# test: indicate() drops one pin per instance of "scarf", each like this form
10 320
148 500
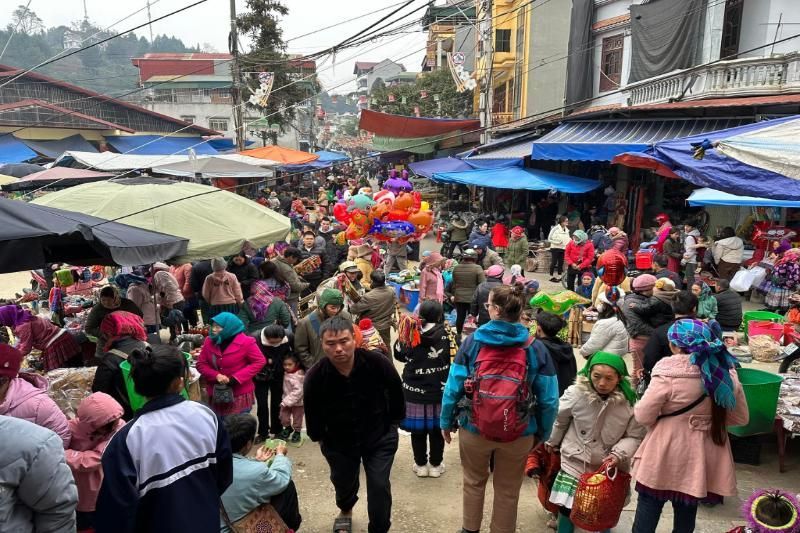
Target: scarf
231 326
12 316
617 363
705 290
710 355
260 299
580 237
121 324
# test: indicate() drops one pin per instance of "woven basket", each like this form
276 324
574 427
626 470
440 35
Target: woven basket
544 260
764 348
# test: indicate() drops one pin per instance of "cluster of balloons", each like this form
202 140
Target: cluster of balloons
387 216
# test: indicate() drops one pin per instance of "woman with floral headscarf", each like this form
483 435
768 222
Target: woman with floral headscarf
706 303
579 256
686 457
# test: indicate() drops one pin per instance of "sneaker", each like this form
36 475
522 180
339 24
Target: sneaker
296 437
420 471
285 433
436 471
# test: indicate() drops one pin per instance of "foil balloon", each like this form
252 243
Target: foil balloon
424 206
360 202
557 303
611 267
404 201
379 211
359 226
417 198
398 185
392 230
340 213
422 220
384 196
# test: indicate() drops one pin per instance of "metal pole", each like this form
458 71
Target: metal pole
488 65
236 74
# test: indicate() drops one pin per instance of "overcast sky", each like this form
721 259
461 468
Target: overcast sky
209 23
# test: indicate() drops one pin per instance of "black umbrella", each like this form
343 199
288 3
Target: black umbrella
19 170
33 235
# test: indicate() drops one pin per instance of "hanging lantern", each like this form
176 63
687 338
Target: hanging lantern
391 97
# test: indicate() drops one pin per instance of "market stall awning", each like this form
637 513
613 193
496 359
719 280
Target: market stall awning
444 164
416 145
114 162
388 125
313 166
530 179
19 170
12 150
6 180
158 145
768 168
601 140
53 149
216 222
213 167
706 196
326 156
33 235
281 155
59 177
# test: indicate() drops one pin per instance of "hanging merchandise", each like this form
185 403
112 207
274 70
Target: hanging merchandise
260 96
463 79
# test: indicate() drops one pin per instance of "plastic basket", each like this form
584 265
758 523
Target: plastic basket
761 391
644 259
762 327
759 315
411 296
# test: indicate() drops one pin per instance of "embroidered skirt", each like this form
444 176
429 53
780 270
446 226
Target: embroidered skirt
62 349
564 488
421 417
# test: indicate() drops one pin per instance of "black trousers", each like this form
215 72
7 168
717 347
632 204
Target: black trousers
288 507
557 263
572 276
462 310
377 461
419 444
269 420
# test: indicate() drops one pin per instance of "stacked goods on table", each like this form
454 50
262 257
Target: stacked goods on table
69 386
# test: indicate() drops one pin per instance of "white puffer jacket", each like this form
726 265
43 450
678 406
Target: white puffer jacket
558 237
729 250
608 335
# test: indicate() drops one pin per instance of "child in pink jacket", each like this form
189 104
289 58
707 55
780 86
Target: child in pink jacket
99 417
292 403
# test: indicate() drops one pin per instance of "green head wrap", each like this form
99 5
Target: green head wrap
617 363
331 296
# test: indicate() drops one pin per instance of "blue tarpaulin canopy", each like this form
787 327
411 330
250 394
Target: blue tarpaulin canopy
226 144
708 196
530 179
325 156
311 166
53 149
601 140
13 150
756 160
158 145
444 164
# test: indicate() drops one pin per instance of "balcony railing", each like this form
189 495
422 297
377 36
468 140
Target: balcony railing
740 77
502 118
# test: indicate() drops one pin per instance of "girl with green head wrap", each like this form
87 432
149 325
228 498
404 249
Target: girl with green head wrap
603 381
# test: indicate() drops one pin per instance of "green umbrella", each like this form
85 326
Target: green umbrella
215 221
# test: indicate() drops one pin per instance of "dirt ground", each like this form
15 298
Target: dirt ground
434 505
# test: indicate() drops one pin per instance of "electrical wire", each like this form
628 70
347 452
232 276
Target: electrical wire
13 31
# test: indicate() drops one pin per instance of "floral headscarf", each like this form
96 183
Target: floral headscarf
708 353
580 236
121 324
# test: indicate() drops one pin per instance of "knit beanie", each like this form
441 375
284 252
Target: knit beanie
218 264
645 282
331 297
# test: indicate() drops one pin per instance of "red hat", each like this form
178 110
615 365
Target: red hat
517 231
10 361
661 218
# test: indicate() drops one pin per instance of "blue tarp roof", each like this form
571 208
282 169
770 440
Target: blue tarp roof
158 145
312 166
53 149
226 144
12 150
444 164
519 178
708 196
326 156
601 140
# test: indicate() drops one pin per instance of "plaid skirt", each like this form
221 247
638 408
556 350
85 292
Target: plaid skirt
240 403
64 348
564 488
421 417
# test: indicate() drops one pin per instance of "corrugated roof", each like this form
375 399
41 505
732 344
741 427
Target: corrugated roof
188 56
745 101
517 150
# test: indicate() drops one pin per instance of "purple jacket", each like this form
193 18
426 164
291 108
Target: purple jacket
241 360
27 399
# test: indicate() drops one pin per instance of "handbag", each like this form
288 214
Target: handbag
599 498
262 519
222 392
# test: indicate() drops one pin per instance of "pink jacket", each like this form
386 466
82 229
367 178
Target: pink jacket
678 454
36 333
86 449
183 274
431 285
164 282
223 290
293 389
139 293
241 360
27 399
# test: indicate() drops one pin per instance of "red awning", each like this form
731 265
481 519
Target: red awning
401 126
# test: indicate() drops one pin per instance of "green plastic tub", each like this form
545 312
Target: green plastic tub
760 315
761 390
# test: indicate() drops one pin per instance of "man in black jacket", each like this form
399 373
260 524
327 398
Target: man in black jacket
353 402
729 306
200 271
657 347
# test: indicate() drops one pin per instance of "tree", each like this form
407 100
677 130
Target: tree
26 21
292 84
440 97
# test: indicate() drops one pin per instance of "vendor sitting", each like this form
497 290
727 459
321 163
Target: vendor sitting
110 301
59 348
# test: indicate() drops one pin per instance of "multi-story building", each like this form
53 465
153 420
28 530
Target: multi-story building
442 24
369 73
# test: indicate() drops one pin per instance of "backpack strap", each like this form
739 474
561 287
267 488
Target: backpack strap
119 353
313 319
684 409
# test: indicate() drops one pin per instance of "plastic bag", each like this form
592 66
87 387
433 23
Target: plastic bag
759 275
743 280
69 386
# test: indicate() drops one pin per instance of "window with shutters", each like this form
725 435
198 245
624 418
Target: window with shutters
502 41
611 63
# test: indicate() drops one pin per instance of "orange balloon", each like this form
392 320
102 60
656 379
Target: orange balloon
422 220
403 202
379 211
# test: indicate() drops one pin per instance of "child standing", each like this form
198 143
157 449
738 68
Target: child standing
562 354
673 249
706 303
594 427
275 344
99 417
292 402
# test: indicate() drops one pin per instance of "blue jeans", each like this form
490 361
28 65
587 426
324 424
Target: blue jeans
648 513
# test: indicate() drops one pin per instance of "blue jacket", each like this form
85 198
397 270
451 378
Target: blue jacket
165 470
484 240
541 376
254 483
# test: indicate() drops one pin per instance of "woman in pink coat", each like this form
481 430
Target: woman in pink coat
25 395
99 417
686 456
230 357
431 283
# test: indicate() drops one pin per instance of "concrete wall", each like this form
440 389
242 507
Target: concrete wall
546 70
465 42
760 26
384 69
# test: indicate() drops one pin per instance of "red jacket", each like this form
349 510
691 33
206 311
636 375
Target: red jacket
241 361
500 235
583 255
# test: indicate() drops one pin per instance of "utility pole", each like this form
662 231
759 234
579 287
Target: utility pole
236 74
488 51
150 20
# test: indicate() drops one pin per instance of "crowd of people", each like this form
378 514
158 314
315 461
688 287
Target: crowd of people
139 456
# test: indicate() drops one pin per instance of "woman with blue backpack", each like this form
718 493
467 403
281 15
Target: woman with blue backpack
500 389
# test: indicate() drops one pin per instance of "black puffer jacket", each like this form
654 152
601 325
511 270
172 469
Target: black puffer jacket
729 310
246 273
563 358
427 365
481 297
637 309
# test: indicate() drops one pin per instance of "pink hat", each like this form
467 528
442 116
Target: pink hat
433 259
613 230
645 282
494 271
